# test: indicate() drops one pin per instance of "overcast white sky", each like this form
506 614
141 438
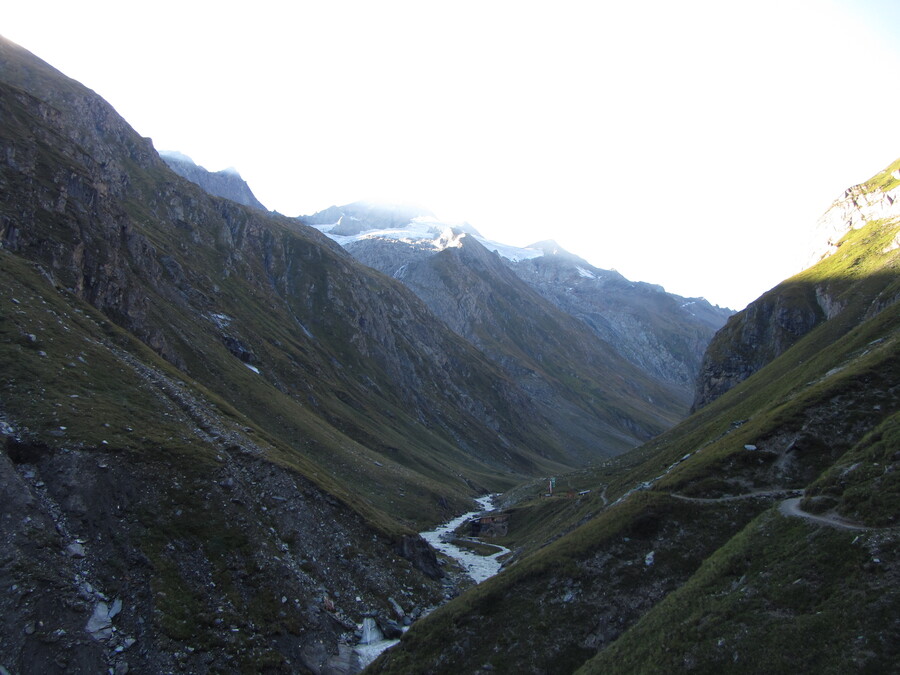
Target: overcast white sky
691 144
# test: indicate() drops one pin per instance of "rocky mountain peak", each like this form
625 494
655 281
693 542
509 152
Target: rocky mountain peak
226 183
550 247
364 216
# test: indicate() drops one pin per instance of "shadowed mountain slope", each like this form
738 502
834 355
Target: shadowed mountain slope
665 335
335 348
220 431
610 362
592 397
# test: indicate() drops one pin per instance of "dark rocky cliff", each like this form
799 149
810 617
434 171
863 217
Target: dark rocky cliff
756 336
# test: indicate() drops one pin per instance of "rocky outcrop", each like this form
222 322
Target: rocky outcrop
238 565
420 554
226 183
757 335
770 325
859 205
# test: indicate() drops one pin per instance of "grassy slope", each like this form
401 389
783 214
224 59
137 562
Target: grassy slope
884 180
75 384
783 596
786 593
804 411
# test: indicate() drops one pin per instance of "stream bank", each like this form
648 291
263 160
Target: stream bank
477 567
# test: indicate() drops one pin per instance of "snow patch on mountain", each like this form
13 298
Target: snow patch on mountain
513 253
423 230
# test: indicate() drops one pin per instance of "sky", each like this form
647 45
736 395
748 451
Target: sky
691 144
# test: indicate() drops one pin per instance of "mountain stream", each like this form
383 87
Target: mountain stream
479 567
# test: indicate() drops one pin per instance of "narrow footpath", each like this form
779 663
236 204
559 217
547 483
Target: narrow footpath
791 508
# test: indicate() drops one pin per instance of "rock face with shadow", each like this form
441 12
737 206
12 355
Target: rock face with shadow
854 280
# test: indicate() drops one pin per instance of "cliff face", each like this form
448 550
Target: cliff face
773 323
226 183
755 336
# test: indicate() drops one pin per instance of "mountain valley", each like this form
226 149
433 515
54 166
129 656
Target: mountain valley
223 429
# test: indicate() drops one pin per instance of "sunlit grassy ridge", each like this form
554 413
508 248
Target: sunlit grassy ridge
884 180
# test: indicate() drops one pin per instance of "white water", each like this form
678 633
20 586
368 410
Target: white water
479 567
370 632
372 643
368 653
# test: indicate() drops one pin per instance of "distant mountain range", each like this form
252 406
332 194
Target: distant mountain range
539 313
662 334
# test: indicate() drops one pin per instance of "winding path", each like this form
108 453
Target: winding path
746 495
791 508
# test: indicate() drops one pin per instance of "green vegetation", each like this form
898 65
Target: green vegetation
884 180
540 610
783 596
864 485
